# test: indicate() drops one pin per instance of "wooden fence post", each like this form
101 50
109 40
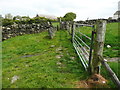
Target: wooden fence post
67 26
73 31
98 46
70 26
60 23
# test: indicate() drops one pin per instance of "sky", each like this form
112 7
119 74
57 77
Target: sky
84 9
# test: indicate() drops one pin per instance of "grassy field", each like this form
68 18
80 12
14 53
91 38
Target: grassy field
112 40
115 67
39 62
55 24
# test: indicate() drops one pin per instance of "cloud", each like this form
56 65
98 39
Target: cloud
83 8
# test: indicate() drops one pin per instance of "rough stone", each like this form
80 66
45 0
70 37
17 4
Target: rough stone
59 63
14 78
72 58
108 46
58 56
21 29
52 46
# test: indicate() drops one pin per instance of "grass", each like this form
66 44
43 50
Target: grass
43 69
112 40
115 67
55 24
40 62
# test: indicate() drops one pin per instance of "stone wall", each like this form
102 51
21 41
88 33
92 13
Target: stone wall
21 29
65 25
94 21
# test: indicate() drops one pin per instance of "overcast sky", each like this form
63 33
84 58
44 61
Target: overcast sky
84 9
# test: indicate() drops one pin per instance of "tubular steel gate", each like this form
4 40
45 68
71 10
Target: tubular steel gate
83 48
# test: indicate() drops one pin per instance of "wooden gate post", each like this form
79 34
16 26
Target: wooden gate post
98 46
73 31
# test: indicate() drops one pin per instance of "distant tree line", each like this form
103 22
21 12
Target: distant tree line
23 20
9 19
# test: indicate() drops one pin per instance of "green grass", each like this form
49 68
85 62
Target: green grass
112 40
42 70
115 67
55 24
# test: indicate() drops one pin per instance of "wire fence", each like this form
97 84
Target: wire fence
88 42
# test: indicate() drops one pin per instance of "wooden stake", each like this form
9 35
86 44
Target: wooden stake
98 46
73 31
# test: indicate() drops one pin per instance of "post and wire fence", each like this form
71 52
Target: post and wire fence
89 47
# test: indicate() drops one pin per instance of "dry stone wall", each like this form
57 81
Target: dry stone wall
21 29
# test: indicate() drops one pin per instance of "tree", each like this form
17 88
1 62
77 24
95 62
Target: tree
70 16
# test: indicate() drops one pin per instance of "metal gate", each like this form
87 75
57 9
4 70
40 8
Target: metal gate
83 43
